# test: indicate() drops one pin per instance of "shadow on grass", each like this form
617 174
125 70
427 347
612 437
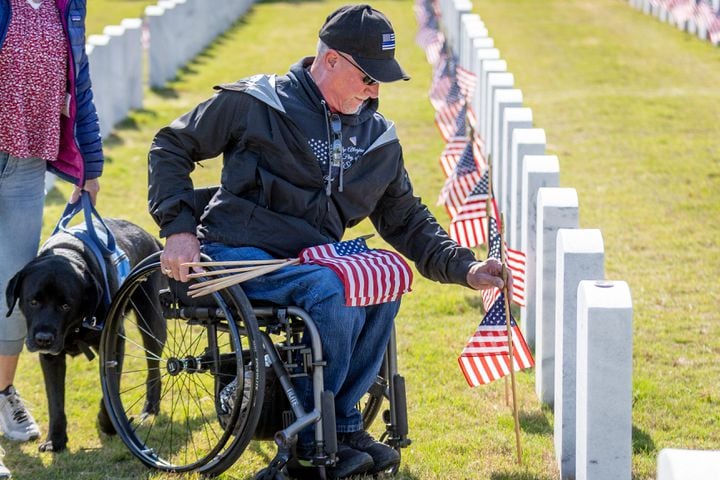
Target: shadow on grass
517 476
642 442
535 423
107 462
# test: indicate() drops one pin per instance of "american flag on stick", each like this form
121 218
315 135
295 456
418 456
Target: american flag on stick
461 182
467 226
485 357
515 263
451 120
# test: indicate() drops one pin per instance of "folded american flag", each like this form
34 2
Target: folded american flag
370 276
486 358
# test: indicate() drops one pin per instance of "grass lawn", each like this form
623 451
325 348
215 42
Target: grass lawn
631 108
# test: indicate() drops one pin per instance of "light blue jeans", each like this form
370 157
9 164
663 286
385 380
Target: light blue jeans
353 339
22 196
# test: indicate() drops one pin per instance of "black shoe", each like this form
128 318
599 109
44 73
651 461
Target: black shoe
349 462
383 456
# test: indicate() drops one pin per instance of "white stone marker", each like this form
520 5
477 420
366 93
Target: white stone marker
495 81
117 46
504 98
134 62
539 171
604 381
159 58
97 48
470 27
580 256
556 208
481 56
487 67
525 141
676 464
514 118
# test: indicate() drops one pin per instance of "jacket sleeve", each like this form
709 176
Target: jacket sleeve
206 131
404 222
87 126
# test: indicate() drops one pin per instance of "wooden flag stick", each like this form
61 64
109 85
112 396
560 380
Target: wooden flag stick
225 271
204 288
236 263
508 322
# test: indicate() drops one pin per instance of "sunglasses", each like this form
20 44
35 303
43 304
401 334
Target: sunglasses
367 79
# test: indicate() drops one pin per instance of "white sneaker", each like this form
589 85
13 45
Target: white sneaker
4 472
16 423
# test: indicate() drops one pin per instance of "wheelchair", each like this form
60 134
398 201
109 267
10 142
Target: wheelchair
210 345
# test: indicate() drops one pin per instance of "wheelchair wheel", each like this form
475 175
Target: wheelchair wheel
165 365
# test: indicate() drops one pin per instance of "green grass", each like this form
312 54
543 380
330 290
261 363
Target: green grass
631 108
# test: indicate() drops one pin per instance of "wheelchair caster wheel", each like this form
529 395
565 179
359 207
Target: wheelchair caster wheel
270 474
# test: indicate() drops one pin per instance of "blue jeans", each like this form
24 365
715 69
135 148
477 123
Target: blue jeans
22 196
353 339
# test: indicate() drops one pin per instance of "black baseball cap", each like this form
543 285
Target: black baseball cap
368 37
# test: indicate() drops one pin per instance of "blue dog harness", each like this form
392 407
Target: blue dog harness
101 242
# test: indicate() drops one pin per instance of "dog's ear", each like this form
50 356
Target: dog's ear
12 292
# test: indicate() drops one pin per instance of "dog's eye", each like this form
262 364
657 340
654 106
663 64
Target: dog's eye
33 303
65 307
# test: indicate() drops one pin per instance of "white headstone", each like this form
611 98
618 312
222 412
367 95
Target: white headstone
580 256
539 171
556 208
514 118
496 81
678 464
525 141
504 98
604 381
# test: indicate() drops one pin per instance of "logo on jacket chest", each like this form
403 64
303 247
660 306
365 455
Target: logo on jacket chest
351 152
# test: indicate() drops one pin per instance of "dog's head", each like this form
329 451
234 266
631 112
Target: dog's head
54 294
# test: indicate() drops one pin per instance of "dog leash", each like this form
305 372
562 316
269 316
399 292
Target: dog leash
103 249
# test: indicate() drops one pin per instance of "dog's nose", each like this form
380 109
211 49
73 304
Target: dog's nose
44 339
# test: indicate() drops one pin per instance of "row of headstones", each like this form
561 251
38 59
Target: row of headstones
691 25
173 31
579 324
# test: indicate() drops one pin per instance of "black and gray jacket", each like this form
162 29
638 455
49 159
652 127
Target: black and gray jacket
273 133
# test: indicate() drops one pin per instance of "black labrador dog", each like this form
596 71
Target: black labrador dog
63 286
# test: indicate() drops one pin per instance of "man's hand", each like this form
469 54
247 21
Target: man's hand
179 248
488 274
92 186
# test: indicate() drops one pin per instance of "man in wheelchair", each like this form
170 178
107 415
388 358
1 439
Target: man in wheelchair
306 155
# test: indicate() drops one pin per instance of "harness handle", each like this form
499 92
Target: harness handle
85 205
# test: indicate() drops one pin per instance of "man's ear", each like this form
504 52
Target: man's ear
12 292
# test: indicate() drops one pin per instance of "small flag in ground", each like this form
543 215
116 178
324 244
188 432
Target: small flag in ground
515 264
466 80
461 182
370 276
451 154
451 120
468 224
485 358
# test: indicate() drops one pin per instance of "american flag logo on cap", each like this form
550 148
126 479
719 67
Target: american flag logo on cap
388 41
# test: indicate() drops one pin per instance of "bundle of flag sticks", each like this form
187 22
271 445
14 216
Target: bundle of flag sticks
234 272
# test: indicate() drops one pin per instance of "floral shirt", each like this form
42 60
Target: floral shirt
33 62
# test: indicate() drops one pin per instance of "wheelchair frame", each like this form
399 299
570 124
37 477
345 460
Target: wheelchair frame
206 345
